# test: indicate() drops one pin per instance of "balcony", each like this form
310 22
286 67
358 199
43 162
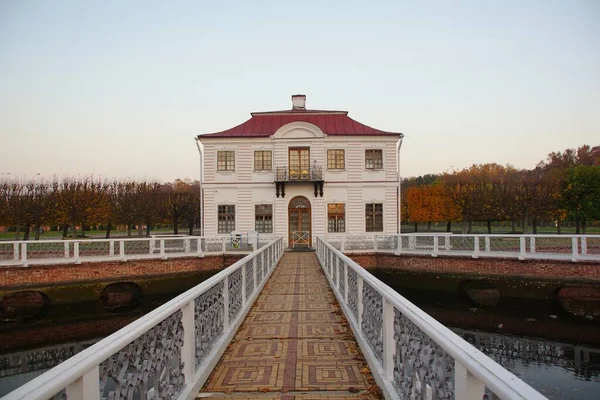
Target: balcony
287 175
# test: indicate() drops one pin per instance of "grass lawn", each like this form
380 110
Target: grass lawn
57 235
482 229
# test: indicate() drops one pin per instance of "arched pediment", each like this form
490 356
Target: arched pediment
298 130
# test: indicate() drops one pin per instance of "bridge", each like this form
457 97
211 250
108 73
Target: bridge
172 351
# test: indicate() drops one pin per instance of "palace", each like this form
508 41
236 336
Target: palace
300 173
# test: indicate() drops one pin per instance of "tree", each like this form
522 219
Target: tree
79 201
581 193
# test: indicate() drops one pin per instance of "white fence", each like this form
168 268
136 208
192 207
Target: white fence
410 354
523 247
168 353
48 252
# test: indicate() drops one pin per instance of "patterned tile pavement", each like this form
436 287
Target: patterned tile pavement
294 344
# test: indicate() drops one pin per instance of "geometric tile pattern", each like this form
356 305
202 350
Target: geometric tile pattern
294 343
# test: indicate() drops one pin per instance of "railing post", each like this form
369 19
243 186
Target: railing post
583 245
435 246
86 387
399 245
343 244
412 242
188 350
388 340
199 249
523 248
532 244
574 248
24 254
162 249
16 251
76 253
447 243
111 248
375 244
475 247
223 245
359 300
122 250
226 303
255 272
488 246
67 249
186 245
467 386
151 246
244 299
346 266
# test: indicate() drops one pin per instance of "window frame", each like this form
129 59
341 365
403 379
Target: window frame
262 160
336 216
376 162
373 217
262 218
226 165
335 160
229 218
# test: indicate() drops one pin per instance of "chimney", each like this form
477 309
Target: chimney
298 102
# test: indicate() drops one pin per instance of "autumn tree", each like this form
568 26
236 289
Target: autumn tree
581 194
79 201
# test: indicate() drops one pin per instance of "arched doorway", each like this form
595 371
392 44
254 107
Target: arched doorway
299 222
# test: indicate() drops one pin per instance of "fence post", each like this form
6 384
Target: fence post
388 340
359 300
375 244
399 245
188 350
76 253
151 245
488 246
16 251
24 254
583 245
532 244
574 248
162 249
467 386
224 245
522 247
67 249
122 250
475 247
343 244
199 249
86 387
226 303
447 243
186 245
111 248
435 246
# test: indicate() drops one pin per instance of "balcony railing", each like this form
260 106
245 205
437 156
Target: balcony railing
291 174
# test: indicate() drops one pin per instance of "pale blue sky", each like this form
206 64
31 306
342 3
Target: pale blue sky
120 88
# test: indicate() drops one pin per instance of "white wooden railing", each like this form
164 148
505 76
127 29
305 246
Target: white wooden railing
48 252
410 354
523 247
169 352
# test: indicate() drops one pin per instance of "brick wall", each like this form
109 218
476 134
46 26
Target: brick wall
483 266
104 271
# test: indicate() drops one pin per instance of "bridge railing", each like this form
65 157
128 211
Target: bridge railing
38 252
523 247
168 353
410 354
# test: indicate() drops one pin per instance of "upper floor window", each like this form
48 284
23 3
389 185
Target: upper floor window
335 159
374 217
225 160
263 218
263 160
226 218
336 217
373 159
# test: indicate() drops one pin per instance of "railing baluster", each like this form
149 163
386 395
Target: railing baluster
76 253
359 299
435 246
475 247
522 247
67 250
583 245
86 387
24 254
574 249
111 248
532 244
16 251
467 386
226 303
389 343
188 350
122 250
199 249
488 246
162 249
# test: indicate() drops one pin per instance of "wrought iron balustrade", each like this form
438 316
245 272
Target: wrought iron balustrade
299 174
411 355
168 353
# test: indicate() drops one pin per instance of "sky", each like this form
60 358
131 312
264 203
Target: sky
119 89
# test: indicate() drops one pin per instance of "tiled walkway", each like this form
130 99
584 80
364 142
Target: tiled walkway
294 344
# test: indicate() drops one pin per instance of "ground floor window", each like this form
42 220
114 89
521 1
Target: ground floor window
336 217
374 217
226 218
263 218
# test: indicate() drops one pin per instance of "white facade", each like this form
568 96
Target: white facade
363 191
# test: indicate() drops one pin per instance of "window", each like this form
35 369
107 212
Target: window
373 159
225 160
226 217
336 217
374 217
263 218
335 159
262 160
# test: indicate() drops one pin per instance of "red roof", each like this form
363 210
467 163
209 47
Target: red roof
263 124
